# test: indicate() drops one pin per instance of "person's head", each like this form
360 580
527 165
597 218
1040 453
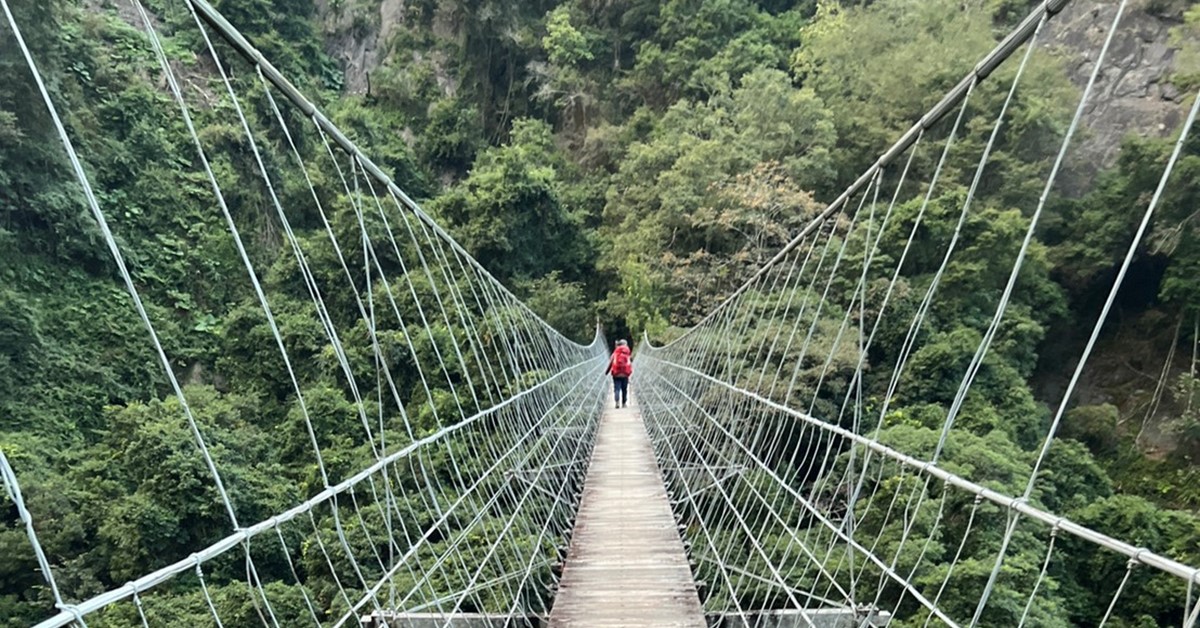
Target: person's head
622 343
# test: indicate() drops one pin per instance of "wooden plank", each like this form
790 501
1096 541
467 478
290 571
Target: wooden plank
626 565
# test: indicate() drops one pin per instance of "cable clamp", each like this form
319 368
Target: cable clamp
73 610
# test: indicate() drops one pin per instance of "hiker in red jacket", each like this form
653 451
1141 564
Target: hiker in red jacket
620 366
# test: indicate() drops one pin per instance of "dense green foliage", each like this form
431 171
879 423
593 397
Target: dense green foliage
625 160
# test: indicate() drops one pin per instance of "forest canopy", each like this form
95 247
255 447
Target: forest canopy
627 161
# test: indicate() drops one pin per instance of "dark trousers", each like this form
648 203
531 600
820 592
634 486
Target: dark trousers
620 389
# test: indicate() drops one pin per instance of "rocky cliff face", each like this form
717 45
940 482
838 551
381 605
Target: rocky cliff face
357 35
1133 92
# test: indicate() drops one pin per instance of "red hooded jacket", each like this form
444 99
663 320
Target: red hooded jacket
620 365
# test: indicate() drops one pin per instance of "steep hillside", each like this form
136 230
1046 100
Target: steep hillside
627 160
1138 95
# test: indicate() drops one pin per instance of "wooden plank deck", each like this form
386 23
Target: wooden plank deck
626 565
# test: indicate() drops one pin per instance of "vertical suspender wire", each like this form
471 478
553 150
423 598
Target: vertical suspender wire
468 328
757 546
1029 47
517 511
467 315
287 555
322 312
212 608
14 490
359 214
255 586
774 494
985 343
872 190
1095 334
859 293
1042 576
811 454
1193 616
763 429
85 183
769 497
337 580
460 305
492 303
1117 282
137 603
368 318
713 356
1116 596
867 343
437 296
739 323
910 338
675 416
306 273
962 544
429 333
331 333
372 589
730 404
914 328
416 299
808 292
864 344
369 258
790 290
177 92
779 312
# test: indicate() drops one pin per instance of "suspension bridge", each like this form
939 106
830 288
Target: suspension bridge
751 482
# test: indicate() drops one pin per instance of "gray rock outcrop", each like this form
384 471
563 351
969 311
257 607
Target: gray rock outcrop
1133 92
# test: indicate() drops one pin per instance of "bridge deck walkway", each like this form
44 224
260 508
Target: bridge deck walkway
626 565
